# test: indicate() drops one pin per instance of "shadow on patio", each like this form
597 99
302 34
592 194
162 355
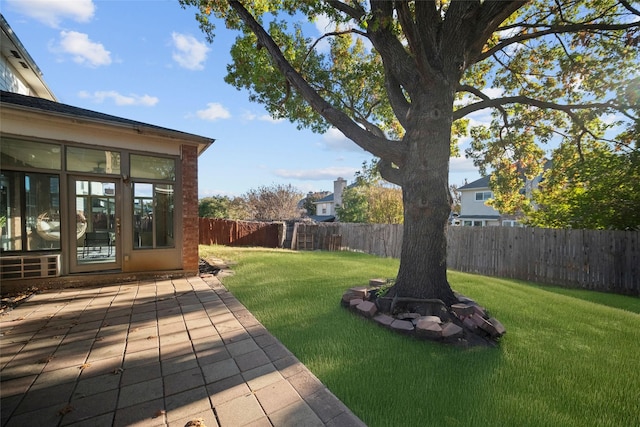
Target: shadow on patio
153 353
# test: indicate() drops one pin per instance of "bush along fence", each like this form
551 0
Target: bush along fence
600 260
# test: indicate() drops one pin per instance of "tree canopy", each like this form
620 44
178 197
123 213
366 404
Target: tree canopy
402 80
371 199
223 207
274 202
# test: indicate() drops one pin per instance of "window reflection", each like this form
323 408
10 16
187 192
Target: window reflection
153 211
150 167
94 161
38 227
20 153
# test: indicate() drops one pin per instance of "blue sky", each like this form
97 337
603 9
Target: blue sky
147 60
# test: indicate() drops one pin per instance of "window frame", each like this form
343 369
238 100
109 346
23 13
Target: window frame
484 195
171 235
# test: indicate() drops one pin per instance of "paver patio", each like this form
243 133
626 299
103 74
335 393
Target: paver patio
153 353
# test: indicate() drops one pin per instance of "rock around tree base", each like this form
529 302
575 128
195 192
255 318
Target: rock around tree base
465 323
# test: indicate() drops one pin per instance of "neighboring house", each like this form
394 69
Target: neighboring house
326 207
473 208
84 192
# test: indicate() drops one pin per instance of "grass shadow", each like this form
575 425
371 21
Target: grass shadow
548 369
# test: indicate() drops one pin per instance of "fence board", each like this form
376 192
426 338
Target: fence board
239 233
602 260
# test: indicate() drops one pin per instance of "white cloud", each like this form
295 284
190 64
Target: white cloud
334 140
324 25
316 174
462 165
118 99
52 12
268 118
250 116
82 49
214 111
189 53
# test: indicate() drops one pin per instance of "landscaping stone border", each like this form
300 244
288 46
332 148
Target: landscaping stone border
465 323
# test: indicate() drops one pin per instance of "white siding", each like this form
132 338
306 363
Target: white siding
471 206
10 81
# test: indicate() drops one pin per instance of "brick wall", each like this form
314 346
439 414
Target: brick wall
190 224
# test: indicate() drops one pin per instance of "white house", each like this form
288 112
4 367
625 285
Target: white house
474 211
326 207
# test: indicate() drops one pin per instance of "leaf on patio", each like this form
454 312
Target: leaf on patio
46 359
65 410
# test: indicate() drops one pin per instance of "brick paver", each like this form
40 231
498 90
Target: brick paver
153 353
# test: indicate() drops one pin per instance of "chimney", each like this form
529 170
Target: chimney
338 187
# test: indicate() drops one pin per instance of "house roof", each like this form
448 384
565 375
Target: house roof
478 183
323 218
479 217
325 199
45 106
23 64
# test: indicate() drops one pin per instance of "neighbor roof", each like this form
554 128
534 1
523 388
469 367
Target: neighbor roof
479 183
22 62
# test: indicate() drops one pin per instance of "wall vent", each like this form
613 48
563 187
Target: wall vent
23 267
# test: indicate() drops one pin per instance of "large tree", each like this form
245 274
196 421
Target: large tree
274 202
399 79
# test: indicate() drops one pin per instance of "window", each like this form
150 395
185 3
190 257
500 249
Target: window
482 196
95 161
151 167
153 201
29 211
20 153
153 211
474 223
510 223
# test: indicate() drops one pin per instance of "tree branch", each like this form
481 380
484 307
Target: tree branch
554 30
391 49
380 147
497 102
479 20
398 101
354 12
484 97
389 173
331 34
630 8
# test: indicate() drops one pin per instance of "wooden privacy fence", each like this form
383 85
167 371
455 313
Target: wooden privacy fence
240 233
602 260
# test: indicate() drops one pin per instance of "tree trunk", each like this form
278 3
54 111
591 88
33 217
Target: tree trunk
425 190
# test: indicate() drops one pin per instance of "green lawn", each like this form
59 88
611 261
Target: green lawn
569 358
